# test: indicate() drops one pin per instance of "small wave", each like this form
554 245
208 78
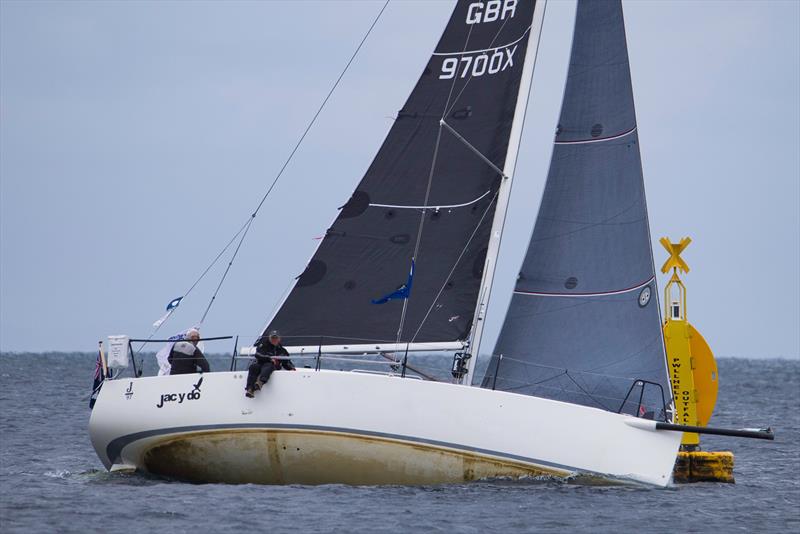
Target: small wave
62 474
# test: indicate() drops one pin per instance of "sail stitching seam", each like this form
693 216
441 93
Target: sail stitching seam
432 206
599 294
599 140
485 49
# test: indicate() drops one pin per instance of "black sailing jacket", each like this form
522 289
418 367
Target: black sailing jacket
265 351
185 358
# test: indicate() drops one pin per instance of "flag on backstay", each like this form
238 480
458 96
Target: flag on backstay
170 308
402 292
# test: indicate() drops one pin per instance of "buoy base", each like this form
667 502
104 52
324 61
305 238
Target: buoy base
703 466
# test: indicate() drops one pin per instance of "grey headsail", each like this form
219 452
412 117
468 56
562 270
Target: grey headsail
584 321
471 82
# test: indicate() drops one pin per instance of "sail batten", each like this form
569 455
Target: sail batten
470 83
583 325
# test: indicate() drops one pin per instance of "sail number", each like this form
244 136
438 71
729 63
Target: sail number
477 65
490 11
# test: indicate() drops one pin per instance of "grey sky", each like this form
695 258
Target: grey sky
136 137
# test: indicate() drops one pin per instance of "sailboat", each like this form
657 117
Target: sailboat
578 378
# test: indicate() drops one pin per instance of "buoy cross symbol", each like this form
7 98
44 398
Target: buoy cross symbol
675 261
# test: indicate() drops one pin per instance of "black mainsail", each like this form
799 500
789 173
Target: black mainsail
448 145
584 319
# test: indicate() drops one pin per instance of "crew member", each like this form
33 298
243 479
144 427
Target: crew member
270 356
185 357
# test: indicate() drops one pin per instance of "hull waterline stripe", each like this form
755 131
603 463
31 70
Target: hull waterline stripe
598 140
115 447
585 295
435 207
468 52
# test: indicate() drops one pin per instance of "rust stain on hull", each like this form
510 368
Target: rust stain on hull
312 457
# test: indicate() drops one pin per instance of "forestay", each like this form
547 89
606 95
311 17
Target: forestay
471 82
584 319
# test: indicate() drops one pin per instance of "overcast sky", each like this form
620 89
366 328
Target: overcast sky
136 137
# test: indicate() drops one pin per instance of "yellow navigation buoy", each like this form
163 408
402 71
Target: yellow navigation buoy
703 466
704 374
694 377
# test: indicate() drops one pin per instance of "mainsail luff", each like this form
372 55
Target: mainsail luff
584 320
472 82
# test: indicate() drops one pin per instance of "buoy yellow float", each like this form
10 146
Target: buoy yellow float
694 378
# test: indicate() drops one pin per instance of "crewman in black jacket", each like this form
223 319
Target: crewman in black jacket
185 357
268 359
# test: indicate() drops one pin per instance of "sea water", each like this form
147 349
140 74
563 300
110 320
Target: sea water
52 481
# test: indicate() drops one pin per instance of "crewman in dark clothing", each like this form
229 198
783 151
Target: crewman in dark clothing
268 359
186 358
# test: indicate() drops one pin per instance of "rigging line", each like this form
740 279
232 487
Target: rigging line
325 101
228 268
447 110
473 149
210 265
221 252
458 260
292 153
586 392
453 85
530 384
561 389
421 225
573 371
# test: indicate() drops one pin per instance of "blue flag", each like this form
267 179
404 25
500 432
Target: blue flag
402 292
174 303
170 308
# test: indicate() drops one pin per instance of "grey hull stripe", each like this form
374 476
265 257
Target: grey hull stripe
114 448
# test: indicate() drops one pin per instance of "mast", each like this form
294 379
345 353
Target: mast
504 192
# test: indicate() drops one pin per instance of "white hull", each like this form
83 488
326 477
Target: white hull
316 427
